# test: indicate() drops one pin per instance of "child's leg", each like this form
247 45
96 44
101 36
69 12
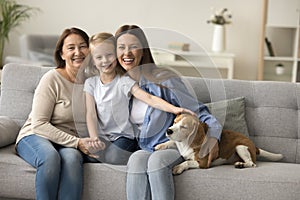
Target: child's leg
118 152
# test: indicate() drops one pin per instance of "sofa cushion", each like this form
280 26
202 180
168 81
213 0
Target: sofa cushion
231 114
18 90
8 131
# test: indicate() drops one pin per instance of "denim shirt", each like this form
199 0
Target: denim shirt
156 122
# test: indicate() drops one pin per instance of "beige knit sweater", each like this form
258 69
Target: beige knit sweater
52 115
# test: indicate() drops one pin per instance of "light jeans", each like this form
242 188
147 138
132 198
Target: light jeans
150 176
59 172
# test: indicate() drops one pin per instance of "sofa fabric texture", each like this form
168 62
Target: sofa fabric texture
272 117
8 131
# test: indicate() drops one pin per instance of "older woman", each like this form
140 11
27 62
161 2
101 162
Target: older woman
49 140
150 173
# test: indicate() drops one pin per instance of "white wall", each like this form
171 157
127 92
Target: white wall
186 17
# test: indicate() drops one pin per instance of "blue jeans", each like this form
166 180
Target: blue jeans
116 152
150 176
59 172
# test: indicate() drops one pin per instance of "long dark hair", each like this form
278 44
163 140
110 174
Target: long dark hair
147 66
60 63
139 33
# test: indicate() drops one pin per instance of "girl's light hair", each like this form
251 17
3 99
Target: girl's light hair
109 38
102 37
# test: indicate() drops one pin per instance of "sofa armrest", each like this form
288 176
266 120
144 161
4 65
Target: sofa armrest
9 130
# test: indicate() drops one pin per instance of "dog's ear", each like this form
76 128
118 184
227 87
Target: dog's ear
205 126
178 118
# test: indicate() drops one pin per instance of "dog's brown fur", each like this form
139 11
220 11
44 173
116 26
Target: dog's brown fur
229 140
228 144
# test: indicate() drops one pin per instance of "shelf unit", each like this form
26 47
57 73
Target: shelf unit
281 28
199 64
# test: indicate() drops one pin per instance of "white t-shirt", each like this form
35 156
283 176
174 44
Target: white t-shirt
138 112
112 101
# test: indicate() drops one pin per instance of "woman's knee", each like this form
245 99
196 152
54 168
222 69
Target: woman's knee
49 166
51 159
71 156
38 152
163 158
138 161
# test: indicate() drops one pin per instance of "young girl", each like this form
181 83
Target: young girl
107 101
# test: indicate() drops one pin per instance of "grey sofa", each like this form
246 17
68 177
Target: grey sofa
271 114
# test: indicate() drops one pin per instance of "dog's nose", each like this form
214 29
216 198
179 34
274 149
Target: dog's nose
169 131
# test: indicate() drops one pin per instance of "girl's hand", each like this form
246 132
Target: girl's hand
96 145
84 146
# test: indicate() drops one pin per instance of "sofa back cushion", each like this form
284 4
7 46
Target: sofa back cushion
272 110
18 83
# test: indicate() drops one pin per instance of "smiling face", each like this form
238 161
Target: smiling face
74 51
129 51
104 57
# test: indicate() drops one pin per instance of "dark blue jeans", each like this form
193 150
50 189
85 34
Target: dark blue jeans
116 152
59 172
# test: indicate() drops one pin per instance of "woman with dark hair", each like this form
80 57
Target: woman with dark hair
49 140
150 172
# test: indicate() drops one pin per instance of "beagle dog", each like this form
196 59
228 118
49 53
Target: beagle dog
188 134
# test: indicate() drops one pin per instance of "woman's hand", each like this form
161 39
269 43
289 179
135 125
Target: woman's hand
179 110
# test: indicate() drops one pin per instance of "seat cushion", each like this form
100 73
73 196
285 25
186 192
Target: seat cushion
267 181
9 130
17 178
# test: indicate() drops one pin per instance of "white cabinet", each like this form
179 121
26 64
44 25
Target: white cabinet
281 29
198 64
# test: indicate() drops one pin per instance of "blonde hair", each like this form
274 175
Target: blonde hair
102 37
109 38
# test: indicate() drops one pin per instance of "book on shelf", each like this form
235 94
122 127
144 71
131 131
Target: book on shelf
179 46
269 47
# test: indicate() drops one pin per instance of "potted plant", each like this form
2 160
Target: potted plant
12 14
220 17
279 69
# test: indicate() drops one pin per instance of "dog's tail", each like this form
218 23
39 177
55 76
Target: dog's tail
268 155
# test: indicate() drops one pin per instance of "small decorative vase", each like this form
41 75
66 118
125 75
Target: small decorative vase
219 37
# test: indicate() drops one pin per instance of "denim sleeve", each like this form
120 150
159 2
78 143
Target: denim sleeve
180 96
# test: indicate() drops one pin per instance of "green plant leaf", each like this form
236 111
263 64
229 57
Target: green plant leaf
12 15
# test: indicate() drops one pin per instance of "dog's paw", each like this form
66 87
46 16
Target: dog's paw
178 169
161 147
241 165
